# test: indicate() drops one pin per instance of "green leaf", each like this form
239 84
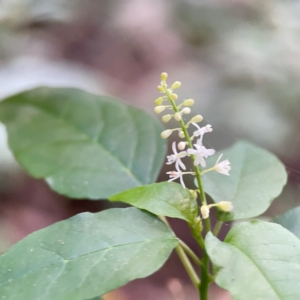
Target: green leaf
164 199
256 178
258 260
85 146
290 220
85 256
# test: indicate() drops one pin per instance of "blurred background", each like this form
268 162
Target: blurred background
239 60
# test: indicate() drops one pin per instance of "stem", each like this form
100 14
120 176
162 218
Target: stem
188 267
190 253
184 259
205 278
217 228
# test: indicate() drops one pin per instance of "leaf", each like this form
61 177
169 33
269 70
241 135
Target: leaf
85 256
290 220
258 260
164 199
256 178
85 146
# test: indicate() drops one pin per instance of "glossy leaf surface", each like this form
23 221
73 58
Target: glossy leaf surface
258 260
84 145
164 199
85 256
290 220
256 178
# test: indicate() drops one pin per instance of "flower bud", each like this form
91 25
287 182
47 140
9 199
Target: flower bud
164 76
159 109
186 110
177 116
159 101
181 134
166 118
160 89
196 119
194 194
204 211
165 134
181 145
174 96
188 102
225 206
176 85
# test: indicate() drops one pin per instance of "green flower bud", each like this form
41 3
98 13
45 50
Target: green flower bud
176 85
186 110
159 109
159 101
196 119
174 96
165 134
164 76
166 118
177 116
188 102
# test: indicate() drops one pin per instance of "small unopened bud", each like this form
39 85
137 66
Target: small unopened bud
204 211
177 116
188 102
186 110
166 118
181 145
159 109
194 194
181 134
159 101
160 89
164 76
165 134
174 96
196 119
225 206
176 85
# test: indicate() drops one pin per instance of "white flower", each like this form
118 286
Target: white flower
176 157
201 130
178 174
200 153
222 167
175 175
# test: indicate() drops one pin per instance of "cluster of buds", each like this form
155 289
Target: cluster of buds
197 151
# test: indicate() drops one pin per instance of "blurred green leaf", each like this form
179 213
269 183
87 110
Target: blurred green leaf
290 220
256 178
258 260
85 256
85 146
164 199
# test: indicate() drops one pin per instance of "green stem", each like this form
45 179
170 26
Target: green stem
217 228
187 265
205 278
190 253
184 259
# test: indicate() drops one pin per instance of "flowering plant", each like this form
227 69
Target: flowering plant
83 154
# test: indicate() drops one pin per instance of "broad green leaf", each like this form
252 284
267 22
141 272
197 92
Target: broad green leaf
256 178
85 146
165 199
258 260
85 256
290 220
